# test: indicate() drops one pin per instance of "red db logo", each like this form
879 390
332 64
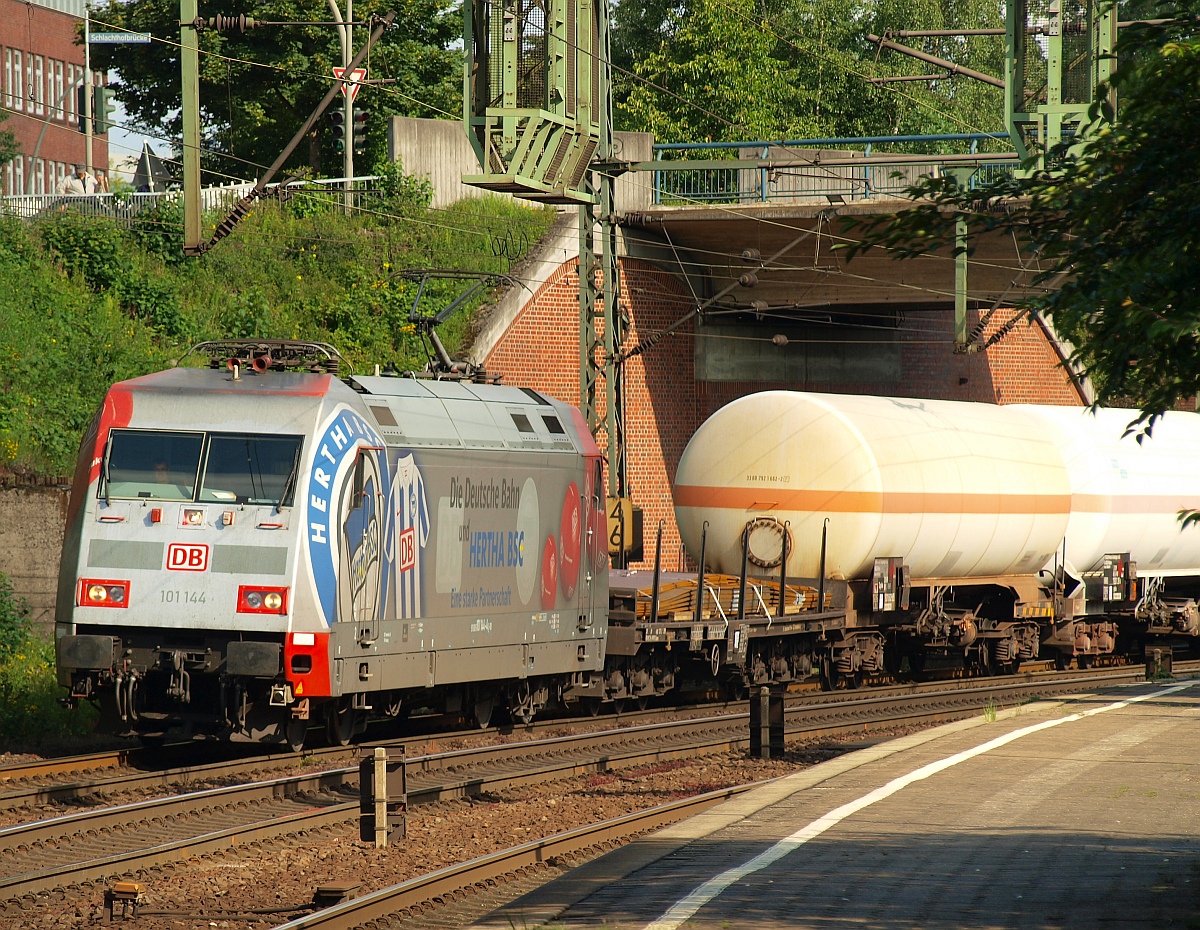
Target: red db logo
187 557
408 549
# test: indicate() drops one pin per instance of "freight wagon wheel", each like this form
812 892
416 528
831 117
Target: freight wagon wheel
591 706
339 724
643 701
1061 661
829 673
296 733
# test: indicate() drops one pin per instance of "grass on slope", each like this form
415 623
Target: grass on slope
86 301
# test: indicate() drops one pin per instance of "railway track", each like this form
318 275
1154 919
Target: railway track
110 842
57 781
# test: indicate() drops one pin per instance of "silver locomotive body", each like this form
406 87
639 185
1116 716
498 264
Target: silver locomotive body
250 554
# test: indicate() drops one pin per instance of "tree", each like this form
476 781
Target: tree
257 88
715 79
1115 225
8 142
808 63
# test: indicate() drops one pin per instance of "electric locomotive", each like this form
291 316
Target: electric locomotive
261 546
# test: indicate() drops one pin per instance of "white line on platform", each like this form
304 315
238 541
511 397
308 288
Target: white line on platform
686 907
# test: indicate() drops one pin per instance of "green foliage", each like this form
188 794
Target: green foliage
723 81
1116 226
400 192
30 716
87 302
257 88
8 142
14 618
737 70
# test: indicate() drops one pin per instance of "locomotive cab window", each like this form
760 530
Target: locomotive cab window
152 464
235 467
250 469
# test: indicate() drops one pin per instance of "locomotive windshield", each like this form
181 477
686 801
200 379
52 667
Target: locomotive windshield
239 468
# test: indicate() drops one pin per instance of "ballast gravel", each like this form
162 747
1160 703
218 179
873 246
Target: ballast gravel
234 888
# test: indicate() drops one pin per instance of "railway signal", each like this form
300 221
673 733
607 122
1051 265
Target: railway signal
103 107
337 129
360 132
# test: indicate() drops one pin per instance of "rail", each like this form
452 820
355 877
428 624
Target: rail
43 855
830 170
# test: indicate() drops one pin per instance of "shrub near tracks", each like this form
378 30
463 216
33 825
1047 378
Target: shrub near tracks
30 716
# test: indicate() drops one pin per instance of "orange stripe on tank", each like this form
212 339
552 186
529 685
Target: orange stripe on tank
868 501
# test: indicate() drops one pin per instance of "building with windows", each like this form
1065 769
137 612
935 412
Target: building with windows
40 70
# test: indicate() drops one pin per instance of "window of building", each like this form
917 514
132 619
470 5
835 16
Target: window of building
69 102
17 87
39 85
6 95
19 162
58 102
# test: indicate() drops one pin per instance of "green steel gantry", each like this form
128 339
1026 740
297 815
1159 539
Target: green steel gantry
537 109
1057 54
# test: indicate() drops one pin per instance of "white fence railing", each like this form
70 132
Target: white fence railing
129 205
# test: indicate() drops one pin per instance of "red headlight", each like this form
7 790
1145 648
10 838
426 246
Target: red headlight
253 599
99 592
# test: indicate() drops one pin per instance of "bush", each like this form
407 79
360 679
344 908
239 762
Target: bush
14 619
31 718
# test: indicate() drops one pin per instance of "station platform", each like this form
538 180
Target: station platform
1067 814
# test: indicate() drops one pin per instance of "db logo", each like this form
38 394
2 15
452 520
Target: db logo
408 549
187 557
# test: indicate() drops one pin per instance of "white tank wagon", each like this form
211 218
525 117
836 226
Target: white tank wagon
964 530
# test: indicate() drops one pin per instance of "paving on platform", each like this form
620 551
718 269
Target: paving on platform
1057 815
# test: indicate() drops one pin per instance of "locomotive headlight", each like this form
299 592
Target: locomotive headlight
100 592
253 599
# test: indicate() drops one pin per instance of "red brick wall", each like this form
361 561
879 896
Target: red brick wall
33 36
664 404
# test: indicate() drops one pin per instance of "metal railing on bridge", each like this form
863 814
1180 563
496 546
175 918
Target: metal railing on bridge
833 170
129 205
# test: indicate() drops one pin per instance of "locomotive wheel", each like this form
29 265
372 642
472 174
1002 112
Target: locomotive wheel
339 724
520 703
485 705
296 733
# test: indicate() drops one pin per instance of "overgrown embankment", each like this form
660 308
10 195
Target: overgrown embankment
86 301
